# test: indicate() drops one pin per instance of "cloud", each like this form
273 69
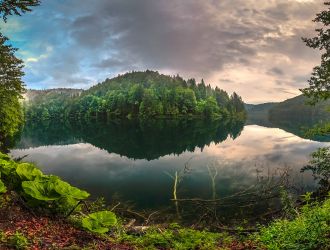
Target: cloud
243 41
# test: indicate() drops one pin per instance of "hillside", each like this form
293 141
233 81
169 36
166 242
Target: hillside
259 111
32 95
298 109
137 94
294 115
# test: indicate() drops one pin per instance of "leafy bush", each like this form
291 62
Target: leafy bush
309 230
99 222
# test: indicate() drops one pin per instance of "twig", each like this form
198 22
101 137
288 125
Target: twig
115 207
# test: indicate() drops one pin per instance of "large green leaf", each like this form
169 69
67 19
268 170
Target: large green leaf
28 172
52 188
99 222
3 188
4 157
65 189
41 189
7 167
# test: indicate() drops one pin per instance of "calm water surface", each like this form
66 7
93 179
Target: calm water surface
135 163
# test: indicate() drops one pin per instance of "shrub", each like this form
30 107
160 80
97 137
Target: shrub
320 167
309 230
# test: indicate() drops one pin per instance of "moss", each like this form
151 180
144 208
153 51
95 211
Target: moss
176 237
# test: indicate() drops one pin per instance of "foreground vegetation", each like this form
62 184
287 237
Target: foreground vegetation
42 211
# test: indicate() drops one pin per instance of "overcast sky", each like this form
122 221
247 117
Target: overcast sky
252 47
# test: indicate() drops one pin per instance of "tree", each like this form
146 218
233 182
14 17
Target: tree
237 103
11 89
11 85
16 7
319 90
319 83
150 105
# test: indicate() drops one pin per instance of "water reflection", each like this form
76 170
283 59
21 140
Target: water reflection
133 162
133 139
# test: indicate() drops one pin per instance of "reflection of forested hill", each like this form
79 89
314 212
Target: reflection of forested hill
293 115
134 139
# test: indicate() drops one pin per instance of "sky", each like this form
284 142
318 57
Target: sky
252 47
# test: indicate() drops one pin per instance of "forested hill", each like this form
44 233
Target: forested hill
294 115
298 109
138 94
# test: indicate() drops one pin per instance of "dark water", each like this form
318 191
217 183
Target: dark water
232 166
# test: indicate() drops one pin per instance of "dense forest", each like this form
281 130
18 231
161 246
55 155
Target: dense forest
137 94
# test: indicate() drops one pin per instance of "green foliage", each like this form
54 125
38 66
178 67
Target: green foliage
11 88
11 85
46 191
137 94
7 166
3 188
99 222
27 171
320 129
320 167
18 241
10 7
319 83
288 206
53 193
309 230
176 237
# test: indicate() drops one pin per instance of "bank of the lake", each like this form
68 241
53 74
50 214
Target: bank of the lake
22 228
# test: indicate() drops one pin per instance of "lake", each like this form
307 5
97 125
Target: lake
223 171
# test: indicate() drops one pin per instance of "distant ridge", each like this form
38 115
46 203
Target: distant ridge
294 108
32 94
293 115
